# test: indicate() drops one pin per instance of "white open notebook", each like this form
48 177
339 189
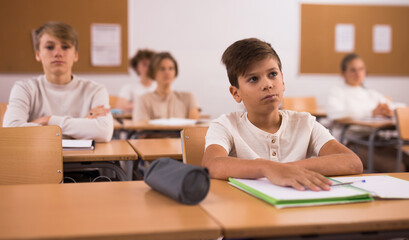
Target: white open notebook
374 186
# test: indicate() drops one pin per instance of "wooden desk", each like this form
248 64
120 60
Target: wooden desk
104 210
145 126
115 150
154 148
368 123
242 215
375 127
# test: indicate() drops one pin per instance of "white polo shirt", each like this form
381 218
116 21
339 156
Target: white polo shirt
300 136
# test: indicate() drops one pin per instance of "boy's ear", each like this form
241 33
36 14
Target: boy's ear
38 56
235 93
76 56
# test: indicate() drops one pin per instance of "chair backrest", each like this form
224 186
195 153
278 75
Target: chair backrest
3 108
31 155
402 122
193 143
300 104
112 100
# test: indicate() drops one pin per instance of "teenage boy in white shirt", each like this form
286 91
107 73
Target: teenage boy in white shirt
286 147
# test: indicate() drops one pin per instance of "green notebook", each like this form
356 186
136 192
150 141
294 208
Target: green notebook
282 197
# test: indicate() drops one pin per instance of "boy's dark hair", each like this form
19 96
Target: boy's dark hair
156 60
347 59
240 55
141 55
60 30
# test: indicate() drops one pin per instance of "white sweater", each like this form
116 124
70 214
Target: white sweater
67 105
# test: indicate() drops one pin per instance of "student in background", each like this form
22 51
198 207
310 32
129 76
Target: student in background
289 148
164 102
129 92
352 99
80 107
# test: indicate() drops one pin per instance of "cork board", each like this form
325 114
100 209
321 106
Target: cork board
19 17
318 23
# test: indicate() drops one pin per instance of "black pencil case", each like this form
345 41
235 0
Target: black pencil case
184 183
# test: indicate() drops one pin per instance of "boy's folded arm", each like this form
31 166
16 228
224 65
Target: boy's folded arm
334 159
222 166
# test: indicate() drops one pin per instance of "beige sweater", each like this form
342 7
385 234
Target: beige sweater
66 104
175 105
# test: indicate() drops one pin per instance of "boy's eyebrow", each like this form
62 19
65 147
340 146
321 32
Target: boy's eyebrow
251 74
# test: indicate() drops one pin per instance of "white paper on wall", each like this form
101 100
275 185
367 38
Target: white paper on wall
106 45
344 38
382 38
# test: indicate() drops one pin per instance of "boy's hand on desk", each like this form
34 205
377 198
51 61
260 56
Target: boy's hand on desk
288 175
42 120
99 111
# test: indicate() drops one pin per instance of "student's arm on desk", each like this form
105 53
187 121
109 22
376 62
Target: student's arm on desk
18 109
334 159
194 113
222 166
98 126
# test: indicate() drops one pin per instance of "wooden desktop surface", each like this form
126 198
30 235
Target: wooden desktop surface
375 123
104 210
145 126
154 148
242 215
114 150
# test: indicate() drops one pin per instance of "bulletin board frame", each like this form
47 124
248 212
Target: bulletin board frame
318 55
19 17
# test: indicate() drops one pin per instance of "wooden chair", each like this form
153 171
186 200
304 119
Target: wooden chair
31 155
193 143
112 100
402 124
3 108
300 104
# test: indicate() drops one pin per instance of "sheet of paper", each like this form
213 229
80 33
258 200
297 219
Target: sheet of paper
382 38
381 186
288 193
173 121
344 38
106 45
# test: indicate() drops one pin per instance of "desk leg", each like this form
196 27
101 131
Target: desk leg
399 160
129 170
371 148
344 130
